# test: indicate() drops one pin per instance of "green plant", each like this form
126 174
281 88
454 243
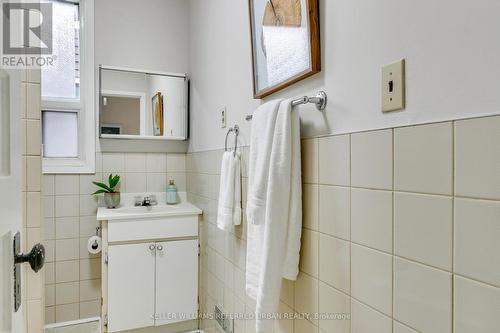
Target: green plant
103 188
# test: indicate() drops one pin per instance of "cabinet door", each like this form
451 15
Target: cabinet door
174 92
131 274
176 281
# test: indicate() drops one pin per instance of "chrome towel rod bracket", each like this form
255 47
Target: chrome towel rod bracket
236 130
320 100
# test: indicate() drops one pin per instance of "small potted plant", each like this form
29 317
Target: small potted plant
111 196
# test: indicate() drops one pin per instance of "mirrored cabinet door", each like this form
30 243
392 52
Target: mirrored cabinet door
136 104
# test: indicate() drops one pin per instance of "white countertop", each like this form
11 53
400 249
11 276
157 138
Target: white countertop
127 210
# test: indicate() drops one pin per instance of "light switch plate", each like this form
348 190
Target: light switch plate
223 117
393 86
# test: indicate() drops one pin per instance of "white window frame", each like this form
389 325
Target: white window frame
85 108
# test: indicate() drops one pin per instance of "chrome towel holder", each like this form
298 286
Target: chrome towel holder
236 130
320 100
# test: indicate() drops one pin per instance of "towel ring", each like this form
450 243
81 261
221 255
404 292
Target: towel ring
236 130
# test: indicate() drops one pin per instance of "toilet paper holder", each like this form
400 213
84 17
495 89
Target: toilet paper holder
95 244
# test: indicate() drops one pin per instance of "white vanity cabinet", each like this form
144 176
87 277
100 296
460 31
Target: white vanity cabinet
176 293
131 286
152 284
150 269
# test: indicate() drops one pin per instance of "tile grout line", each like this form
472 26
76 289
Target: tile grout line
350 231
393 261
453 189
318 295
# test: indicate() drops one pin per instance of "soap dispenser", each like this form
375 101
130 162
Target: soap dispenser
171 193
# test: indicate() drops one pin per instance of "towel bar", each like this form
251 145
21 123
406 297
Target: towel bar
320 100
236 130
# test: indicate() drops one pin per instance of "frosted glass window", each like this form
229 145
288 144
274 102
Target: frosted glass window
62 80
60 134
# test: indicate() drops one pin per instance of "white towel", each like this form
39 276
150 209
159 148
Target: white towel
261 142
291 268
273 247
237 189
229 208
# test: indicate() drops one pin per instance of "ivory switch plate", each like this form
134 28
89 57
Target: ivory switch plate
393 86
223 117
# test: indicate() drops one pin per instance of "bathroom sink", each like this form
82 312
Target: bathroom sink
147 209
127 210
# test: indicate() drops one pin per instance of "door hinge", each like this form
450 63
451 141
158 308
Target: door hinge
105 319
106 258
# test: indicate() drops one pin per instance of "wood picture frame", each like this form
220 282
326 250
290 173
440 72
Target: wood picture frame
278 25
157 108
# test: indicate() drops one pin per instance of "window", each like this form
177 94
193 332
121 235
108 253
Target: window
68 128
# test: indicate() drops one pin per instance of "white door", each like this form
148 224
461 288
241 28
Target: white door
10 195
176 281
131 275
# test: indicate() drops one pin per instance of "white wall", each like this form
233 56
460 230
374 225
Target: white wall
142 34
152 34
453 64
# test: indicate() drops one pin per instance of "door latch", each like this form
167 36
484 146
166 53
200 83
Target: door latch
36 259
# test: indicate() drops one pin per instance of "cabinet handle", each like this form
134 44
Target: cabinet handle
159 247
152 247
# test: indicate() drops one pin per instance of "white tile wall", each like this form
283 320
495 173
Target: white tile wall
334 262
306 295
365 319
477 235
372 159
423 158
371 278
477 158
156 162
405 248
334 210
332 301
422 297
371 218
423 227
113 162
310 203
335 164
309 252
476 307
72 275
400 328
33 288
135 162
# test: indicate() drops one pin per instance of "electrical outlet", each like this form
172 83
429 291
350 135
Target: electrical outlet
223 117
393 86
225 321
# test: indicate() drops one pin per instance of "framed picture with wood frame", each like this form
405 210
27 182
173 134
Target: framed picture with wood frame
285 43
157 104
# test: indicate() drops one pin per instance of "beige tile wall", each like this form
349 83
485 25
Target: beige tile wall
401 230
32 213
72 284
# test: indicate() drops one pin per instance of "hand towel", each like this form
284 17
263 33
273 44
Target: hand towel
261 141
273 246
237 188
294 234
229 207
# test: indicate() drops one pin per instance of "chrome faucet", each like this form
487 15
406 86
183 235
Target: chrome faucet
147 201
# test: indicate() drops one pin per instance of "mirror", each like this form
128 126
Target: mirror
137 104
